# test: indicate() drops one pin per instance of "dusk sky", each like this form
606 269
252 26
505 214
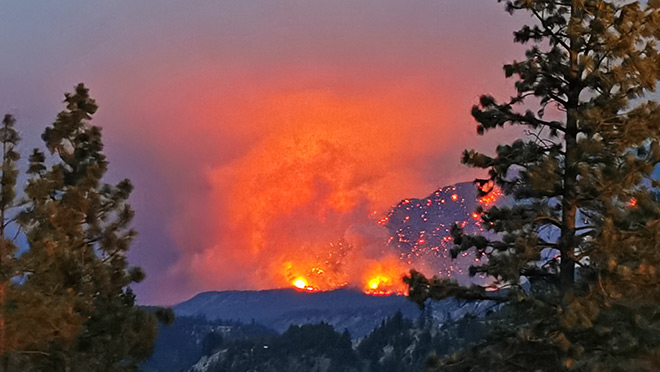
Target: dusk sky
259 132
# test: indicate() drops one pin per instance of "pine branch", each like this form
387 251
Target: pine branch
537 272
32 352
421 289
549 30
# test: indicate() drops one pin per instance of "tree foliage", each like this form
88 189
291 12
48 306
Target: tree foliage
66 298
576 255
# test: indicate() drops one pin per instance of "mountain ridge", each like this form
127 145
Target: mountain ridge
278 309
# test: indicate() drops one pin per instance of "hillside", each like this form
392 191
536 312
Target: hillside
280 308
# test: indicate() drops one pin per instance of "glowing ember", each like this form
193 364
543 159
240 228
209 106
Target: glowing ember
632 202
494 193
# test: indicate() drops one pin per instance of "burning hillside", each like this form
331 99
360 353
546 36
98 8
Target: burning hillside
419 237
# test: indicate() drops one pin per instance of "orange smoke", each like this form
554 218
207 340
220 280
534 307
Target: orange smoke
301 206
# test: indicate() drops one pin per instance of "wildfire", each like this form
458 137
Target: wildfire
300 283
385 277
318 267
378 281
494 193
380 278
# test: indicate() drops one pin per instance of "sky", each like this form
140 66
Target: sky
258 133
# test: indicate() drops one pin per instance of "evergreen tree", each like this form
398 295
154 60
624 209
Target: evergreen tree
583 231
9 138
70 307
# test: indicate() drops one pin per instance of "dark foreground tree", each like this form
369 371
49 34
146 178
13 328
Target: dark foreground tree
66 300
577 255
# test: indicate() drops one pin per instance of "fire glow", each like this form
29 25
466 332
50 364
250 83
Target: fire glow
300 283
379 277
384 275
304 208
494 193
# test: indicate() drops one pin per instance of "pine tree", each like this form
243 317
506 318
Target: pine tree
70 306
9 138
576 256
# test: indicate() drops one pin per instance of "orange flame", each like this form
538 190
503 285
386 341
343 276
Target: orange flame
494 194
385 277
300 283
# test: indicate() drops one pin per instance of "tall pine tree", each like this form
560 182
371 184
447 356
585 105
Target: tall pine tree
577 255
9 138
70 307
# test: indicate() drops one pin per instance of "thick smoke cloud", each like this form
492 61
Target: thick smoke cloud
329 164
